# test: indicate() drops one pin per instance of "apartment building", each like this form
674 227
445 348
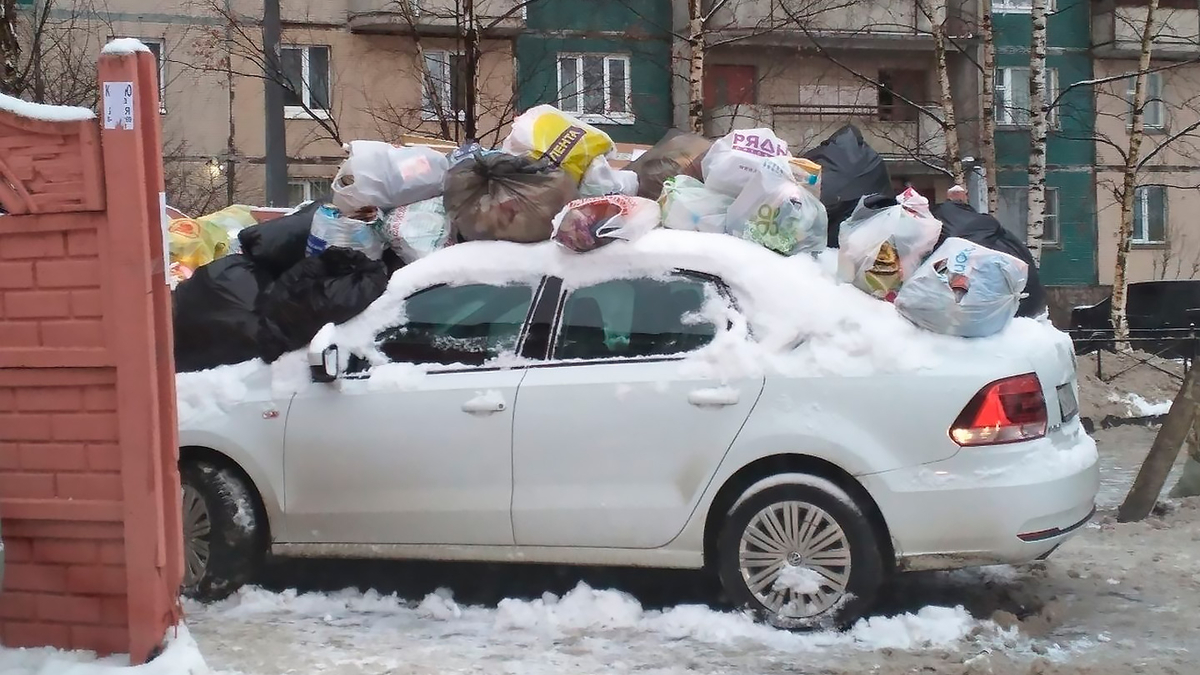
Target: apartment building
1166 240
1069 242
806 69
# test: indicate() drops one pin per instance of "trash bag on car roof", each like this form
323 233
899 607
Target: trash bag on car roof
676 153
964 289
331 287
213 313
277 244
850 170
960 220
504 197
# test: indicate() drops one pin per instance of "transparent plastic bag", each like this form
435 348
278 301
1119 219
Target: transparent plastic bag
416 230
587 224
688 205
567 143
879 250
332 228
964 289
385 176
774 212
602 179
734 159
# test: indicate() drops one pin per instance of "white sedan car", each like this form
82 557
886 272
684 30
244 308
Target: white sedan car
688 400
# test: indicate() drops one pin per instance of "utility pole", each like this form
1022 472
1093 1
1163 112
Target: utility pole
276 136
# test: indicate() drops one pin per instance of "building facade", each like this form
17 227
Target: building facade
807 69
606 61
1166 242
1069 245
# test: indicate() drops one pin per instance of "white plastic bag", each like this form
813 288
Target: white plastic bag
732 161
385 176
331 228
416 230
878 251
602 179
546 131
964 289
587 224
774 212
688 205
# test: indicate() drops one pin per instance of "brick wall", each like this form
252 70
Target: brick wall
89 488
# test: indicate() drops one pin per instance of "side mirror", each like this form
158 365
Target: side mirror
324 364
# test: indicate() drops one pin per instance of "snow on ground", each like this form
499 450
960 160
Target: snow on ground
180 657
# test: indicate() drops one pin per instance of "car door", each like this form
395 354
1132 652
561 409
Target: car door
614 442
417 451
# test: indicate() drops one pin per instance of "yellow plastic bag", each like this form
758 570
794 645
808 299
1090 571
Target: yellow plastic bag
546 131
195 242
232 219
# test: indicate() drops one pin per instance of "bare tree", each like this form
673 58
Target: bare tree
935 10
987 105
52 52
1129 175
1038 127
10 47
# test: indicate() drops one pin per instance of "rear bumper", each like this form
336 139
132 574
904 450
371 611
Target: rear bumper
1007 504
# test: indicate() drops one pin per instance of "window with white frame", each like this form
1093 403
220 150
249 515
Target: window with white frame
1154 112
1012 96
302 190
444 94
306 71
1017 6
1150 214
1013 213
595 87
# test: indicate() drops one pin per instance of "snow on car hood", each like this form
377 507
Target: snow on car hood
803 321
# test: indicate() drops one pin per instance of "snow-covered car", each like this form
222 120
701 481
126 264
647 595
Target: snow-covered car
687 400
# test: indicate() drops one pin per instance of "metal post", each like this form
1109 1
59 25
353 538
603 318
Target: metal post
276 136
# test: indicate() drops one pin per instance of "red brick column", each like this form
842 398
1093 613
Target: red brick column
89 488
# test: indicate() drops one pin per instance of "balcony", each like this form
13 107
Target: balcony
1117 27
866 24
501 18
919 141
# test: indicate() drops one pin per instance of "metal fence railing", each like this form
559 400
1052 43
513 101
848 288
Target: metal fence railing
1158 349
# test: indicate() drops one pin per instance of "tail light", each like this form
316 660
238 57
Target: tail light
1006 411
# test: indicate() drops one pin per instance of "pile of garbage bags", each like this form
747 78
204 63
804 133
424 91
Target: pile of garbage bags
246 290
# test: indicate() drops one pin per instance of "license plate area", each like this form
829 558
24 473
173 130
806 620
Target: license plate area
1067 402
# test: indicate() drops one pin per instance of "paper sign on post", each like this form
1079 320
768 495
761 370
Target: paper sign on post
118 105
165 222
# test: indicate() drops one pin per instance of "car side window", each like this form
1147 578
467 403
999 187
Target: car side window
467 324
629 318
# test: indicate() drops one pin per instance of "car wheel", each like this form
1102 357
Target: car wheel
800 554
220 531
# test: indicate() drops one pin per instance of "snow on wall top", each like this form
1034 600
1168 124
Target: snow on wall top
122 46
46 113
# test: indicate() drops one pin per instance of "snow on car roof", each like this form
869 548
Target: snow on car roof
804 322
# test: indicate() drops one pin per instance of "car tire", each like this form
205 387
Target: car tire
806 524
221 542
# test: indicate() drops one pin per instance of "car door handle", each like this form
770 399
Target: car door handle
715 397
484 404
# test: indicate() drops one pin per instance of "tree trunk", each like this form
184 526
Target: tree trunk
1037 130
937 18
1129 179
472 53
696 67
1150 479
10 47
987 113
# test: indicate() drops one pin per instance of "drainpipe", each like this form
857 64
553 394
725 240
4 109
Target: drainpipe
276 135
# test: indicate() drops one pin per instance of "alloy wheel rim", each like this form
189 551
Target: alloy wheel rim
196 531
795 539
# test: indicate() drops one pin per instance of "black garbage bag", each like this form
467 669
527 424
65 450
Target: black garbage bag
497 196
213 314
332 287
850 170
278 244
960 220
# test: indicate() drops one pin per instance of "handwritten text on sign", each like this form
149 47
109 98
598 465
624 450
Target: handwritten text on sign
118 105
